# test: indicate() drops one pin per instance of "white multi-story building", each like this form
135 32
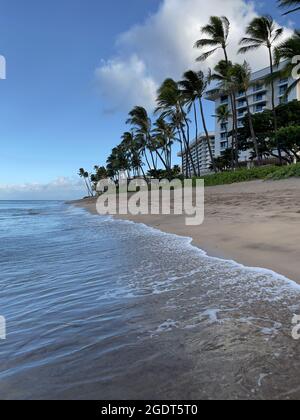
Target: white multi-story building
200 153
260 98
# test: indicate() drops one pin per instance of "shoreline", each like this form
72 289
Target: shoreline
254 224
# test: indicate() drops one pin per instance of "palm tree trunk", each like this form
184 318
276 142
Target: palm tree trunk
273 103
182 154
187 140
225 54
212 158
252 131
235 143
147 160
226 131
153 161
144 175
197 148
87 187
162 160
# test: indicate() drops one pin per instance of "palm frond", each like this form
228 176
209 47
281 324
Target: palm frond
291 11
248 40
206 55
244 50
201 43
289 3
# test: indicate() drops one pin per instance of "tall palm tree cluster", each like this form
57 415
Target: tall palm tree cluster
146 149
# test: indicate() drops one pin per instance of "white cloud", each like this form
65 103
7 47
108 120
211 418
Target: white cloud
61 188
163 47
118 79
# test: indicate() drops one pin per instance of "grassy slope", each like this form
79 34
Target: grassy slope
243 175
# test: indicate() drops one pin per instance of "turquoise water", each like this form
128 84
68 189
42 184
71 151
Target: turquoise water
104 309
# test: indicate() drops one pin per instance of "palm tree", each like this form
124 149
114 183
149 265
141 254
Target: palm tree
170 102
85 175
194 86
223 115
287 50
217 32
223 74
242 80
140 121
176 120
164 135
134 149
288 3
263 32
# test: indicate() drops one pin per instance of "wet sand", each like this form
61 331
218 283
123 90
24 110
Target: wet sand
254 223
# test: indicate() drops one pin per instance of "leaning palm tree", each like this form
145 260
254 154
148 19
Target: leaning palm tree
263 32
217 32
85 175
288 3
223 115
194 86
176 120
170 102
242 80
189 96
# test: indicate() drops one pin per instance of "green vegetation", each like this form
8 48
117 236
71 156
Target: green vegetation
285 172
271 172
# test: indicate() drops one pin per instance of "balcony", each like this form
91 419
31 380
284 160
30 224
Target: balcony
241 104
224 100
283 81
241 94
258 101
241 115
259 88
282 90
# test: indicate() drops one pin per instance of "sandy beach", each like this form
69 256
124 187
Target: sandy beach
254 223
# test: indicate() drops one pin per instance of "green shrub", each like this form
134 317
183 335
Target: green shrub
243 175
286 172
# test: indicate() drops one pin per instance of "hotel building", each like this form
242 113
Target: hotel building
199 150
260 99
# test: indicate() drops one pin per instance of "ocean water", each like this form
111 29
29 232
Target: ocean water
103 309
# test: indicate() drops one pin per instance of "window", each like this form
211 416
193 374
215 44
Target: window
224 126
223 136
241 103
223 144
283 89
260 107
224 99
241 93
283 80
259 97
240 113
257 87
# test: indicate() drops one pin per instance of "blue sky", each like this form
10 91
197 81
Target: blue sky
65 99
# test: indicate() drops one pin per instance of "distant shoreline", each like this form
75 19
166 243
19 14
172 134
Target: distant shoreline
254 223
